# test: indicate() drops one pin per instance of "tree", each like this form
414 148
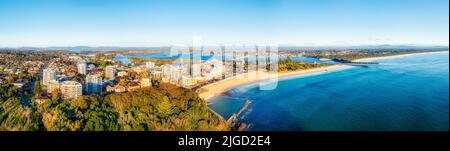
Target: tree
144 74
8 91
132 74
10 79
164 107
17 117
14 70
37 88
123 82
55 95
155 83
78 77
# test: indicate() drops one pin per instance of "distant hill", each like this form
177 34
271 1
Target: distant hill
282 47
88 48
386 46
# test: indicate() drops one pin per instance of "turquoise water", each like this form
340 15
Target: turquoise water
407 93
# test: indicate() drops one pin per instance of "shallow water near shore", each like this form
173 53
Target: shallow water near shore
405 93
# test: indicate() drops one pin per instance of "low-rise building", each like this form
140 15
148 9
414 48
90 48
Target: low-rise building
133 86
18 85
138 69
122 74
41 99
146 82
188 82
149 65
157 73
117 89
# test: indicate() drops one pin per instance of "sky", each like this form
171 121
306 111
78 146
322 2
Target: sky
142 23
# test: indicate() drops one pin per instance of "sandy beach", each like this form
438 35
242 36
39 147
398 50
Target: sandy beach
397 56
218 88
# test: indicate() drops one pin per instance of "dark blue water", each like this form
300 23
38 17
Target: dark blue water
408 93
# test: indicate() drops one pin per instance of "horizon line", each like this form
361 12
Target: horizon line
280 45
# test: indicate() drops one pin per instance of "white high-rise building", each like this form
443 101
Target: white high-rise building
196 70
71 89
176 73
110 72
52 86
49 74
93 84
82 68
166 72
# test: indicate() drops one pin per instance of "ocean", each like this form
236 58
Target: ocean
408 93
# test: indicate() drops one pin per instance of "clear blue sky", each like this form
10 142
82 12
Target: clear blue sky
163 22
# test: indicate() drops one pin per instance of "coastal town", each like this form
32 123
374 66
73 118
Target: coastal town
65 76
224 74
70 75
53 77
40 81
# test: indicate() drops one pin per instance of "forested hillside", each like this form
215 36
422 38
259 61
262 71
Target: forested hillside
165 107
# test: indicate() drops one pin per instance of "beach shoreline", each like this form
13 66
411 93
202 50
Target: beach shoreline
219 88
397 56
